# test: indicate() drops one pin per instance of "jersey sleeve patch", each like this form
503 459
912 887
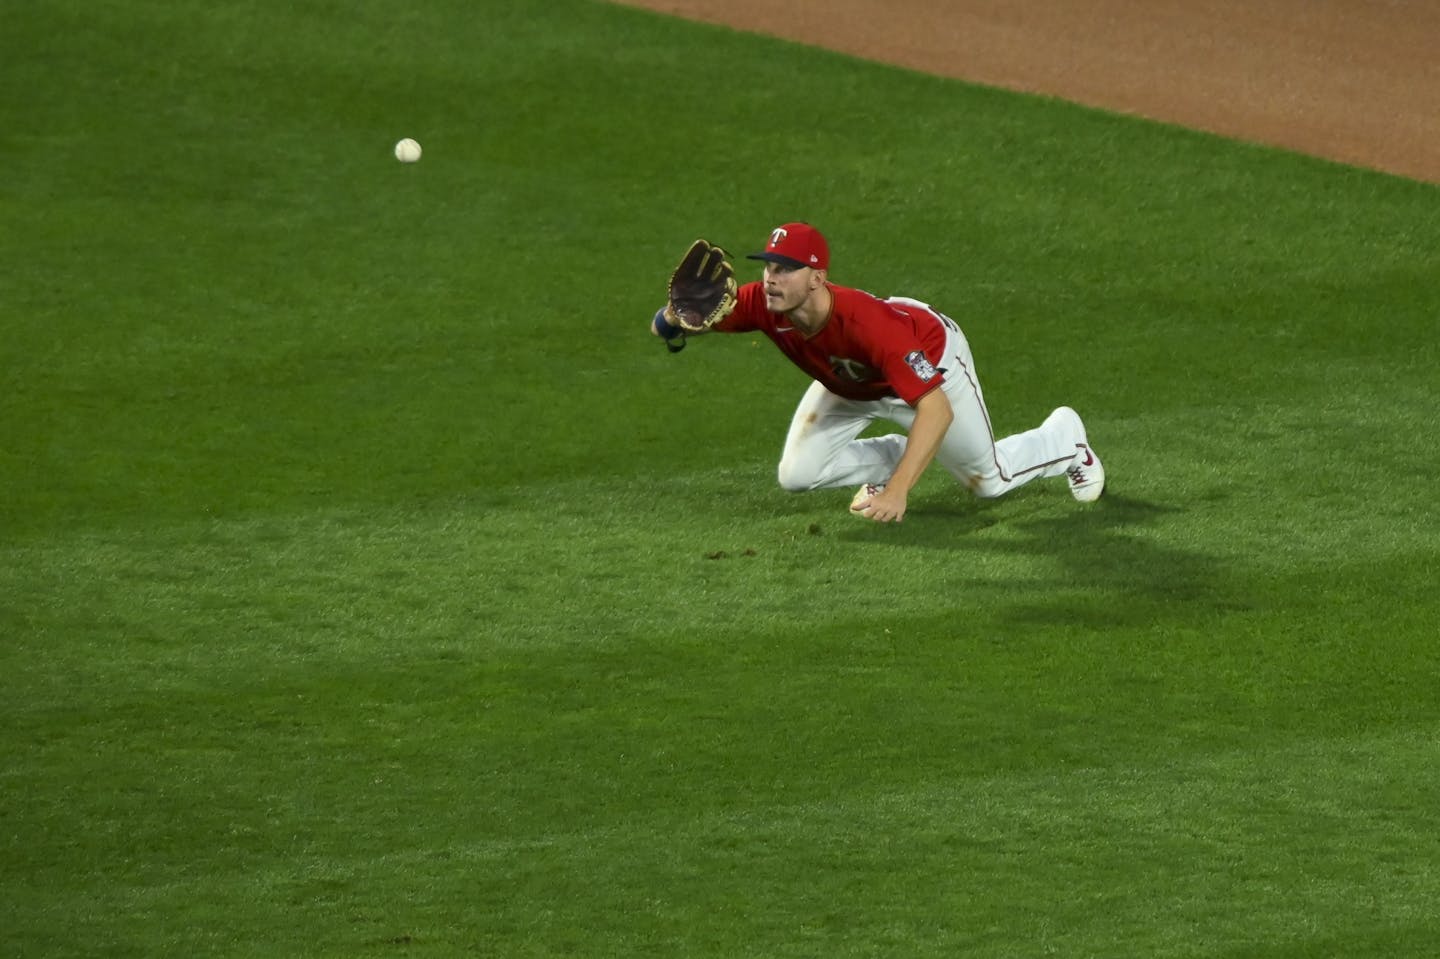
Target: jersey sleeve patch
923 368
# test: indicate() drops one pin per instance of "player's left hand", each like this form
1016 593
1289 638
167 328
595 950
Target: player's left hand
702 290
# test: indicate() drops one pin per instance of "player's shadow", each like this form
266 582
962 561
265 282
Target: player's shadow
1102 563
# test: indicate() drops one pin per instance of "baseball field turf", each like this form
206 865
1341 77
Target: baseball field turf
372 584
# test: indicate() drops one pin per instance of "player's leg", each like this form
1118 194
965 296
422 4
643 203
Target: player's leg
991 467
822 451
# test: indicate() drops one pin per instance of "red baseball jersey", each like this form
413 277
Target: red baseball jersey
869 349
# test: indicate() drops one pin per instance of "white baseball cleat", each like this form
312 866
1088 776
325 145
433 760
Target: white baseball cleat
862 495
1086 475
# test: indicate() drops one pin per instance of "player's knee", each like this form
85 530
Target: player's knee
795 476
985 486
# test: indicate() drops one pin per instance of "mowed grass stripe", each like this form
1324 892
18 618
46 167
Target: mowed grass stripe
1179 857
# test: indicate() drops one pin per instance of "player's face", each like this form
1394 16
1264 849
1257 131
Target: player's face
787 287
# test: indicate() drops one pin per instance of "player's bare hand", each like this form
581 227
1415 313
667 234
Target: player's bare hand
885 506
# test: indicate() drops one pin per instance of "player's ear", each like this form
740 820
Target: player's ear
817 278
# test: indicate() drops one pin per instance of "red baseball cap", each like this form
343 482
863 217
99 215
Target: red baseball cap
796 245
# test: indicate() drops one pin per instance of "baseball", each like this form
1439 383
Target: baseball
407 151
863 495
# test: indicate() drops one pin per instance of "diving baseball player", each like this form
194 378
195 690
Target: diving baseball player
895 359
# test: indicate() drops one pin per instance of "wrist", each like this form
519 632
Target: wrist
663 327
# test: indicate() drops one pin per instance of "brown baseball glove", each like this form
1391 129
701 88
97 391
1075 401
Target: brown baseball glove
702 289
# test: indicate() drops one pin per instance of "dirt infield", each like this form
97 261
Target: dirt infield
1356 81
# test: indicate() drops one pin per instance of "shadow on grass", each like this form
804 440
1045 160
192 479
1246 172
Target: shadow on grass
1105 564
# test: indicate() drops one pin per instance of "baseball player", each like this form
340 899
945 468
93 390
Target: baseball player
895 359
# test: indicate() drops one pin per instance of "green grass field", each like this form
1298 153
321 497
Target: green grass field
372 584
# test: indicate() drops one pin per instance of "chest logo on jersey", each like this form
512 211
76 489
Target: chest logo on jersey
852 370
923 368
